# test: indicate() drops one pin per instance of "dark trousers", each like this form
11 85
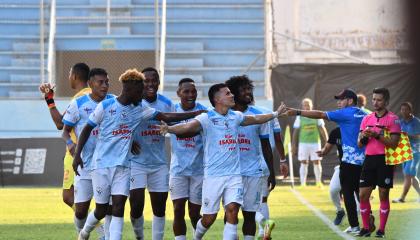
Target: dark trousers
349 179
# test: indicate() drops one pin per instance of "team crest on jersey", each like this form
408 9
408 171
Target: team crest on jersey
88 110
112 112
99 190
206 202
124 114
387 181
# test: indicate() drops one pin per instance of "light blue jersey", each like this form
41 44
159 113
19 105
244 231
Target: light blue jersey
187 153
152 154
250 151
116 124
221 150
76 116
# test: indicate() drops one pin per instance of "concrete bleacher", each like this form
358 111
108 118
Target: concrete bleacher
208 40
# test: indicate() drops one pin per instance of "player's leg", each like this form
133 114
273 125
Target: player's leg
195 199
83 194
303 156
263 214
138 183
119 191
178 187
158 186
335 189
316 161
368 182
349 180
68 181
232 199
213 188
385 180
251 201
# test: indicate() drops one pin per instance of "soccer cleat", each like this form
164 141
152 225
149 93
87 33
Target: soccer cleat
398 200
352 230
380 234
372 226
363 233
83 235
339 217
268 227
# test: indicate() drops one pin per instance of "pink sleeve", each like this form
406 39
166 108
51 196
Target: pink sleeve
395 126
363 124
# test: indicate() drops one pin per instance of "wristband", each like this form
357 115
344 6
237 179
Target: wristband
275 114
69 142
50 99
298 112
283 160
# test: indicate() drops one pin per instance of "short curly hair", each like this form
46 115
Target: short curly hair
131 75
235 82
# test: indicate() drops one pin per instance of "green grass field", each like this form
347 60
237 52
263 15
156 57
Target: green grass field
38 213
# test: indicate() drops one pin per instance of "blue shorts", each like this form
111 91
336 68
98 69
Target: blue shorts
411 167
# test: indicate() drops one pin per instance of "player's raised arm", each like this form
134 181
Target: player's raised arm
47 90
263 118
189 128
176 117
306 113
84 136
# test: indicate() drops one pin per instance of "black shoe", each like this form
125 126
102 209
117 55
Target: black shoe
339 217
363 233
380 234
372 226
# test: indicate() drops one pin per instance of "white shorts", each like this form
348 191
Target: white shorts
252 192
155 180
226 188
83 189
265 191
307 151
110 181
186 187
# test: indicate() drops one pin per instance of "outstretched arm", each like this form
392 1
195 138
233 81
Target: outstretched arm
183 129
56 116
263 118
84 136
176 117
307 113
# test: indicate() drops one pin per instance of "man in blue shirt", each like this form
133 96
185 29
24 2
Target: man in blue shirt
348 117
222 172
411 125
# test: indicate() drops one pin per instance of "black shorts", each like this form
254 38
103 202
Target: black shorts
376 173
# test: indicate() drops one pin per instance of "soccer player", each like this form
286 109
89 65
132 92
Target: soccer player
255 154
186 169
334 138
411 125
75 118
306 133
78 78
117 119
375 172
361 103
222 173
348 118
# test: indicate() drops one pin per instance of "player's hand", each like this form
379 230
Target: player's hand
46 88
77 161
72 148
284 170
320 153
290 111
282 109
271 182
163 128
369 133
135 148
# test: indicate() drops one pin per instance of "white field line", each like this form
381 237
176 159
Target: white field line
322 216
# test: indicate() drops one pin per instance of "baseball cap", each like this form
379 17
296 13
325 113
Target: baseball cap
347 93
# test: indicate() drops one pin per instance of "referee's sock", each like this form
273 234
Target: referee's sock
383 214
365 210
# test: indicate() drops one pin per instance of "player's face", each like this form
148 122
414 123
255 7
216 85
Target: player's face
188 94
378 102
306 105
342 103
72 79
225 97
245 94
405 112
99 85
151 85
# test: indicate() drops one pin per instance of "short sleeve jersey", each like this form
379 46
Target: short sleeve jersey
250 152
335 139
308 129
389 121
220 137
77 116
152 154
349 119
412 128
187 153
116 124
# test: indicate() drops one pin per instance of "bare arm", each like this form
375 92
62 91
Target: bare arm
71 146
84 136
268 157
307 113
284 168
325 150
57 118
176 117
323 133
391 142
183 129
